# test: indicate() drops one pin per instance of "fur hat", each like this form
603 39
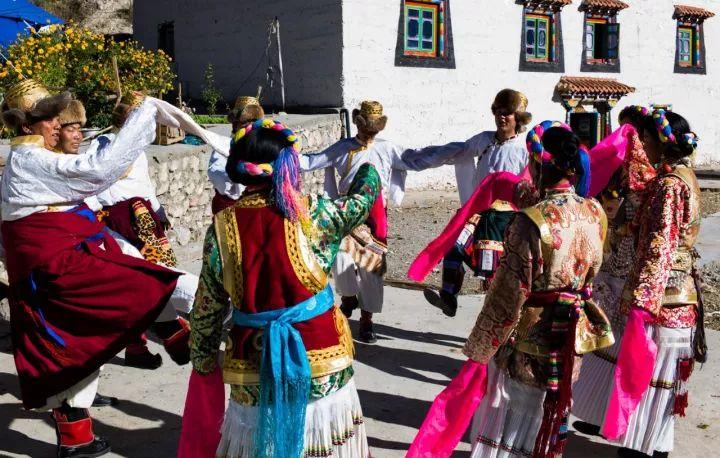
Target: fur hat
514 102
370 116
28 102
246 109
73 114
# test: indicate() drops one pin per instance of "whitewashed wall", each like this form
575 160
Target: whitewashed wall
429 106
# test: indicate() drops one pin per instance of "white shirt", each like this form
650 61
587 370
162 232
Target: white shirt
219 177
38 180
134 183
345 158
474 159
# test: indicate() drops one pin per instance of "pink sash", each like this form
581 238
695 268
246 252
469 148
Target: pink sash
450 413
633 373
605 159
203 415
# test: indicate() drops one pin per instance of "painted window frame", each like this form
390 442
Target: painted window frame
696 65
604 64
554 62
442 54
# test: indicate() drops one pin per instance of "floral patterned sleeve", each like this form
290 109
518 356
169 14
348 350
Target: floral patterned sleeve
519 267
334 219
208 312
657 244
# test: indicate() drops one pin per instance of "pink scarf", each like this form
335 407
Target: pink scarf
450 413
605 159
633 373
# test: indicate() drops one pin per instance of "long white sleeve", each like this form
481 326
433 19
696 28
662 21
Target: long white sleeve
219 177
36 178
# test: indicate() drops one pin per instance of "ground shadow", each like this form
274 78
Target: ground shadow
12 441
424 337
581 445
400 362
393 408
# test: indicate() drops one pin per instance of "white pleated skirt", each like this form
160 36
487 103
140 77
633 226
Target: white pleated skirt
652 426
508 419
592 389
334 428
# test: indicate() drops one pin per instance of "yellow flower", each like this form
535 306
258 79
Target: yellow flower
41 51
3 74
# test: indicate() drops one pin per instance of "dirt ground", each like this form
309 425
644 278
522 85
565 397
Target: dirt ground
425 213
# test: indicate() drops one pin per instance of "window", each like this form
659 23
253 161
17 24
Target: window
424 35
537 37
166 38
602 39
687 48
690 39
601 48
542 47
421 30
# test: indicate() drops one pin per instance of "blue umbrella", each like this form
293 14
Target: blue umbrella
17 16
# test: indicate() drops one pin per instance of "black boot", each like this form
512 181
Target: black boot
141 357
348 304
75 438
104 401
444 301
366 332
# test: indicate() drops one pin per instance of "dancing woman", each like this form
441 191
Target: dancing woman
288 359
664 333
537 317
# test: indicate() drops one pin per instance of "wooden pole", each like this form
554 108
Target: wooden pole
117 80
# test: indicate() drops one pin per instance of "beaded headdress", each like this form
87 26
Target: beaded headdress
666 134
284 171
544 157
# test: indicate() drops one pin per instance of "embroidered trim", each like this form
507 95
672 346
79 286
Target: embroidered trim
306 268
230 248
254 200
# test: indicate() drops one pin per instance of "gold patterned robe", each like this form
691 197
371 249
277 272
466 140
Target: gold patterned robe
556 245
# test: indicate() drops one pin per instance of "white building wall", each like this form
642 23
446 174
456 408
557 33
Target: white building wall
232 35
435 106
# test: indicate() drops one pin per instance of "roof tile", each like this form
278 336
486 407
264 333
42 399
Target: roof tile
685 11
604 4
586 85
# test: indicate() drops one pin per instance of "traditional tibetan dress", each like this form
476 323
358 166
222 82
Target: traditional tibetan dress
354 275
537 318
267 266
75 299
662 282
131 208
621 200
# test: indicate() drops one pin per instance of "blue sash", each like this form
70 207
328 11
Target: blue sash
284 375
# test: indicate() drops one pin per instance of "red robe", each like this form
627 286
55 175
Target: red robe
74 305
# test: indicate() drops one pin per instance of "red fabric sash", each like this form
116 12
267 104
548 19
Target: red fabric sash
377 219
203 415
73 304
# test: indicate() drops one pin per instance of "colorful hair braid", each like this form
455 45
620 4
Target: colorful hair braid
284 171
641 109
544 157
663 126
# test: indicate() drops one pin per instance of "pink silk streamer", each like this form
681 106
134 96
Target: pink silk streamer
203 415
605 159
633 373
498 185
450 413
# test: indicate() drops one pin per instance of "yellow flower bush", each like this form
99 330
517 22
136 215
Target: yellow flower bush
75 58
